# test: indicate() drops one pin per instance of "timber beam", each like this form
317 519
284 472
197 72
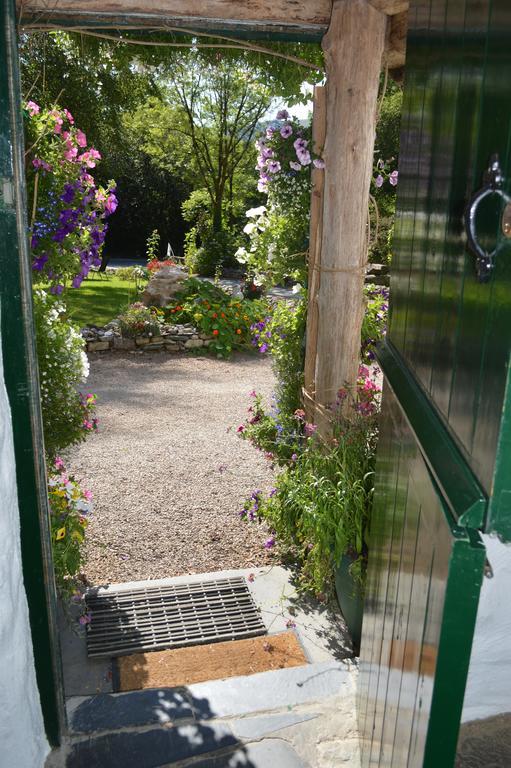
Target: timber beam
301 20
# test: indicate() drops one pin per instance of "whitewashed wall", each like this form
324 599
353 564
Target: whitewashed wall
22 740
489 681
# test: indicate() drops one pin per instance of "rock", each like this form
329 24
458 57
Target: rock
154 347
98 346
141 341
124 343
193 344
163 286
108 335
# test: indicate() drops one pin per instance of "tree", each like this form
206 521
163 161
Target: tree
209 116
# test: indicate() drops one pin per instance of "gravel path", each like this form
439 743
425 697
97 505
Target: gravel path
167 471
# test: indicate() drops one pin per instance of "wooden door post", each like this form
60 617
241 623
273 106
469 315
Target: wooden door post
354 47
315 234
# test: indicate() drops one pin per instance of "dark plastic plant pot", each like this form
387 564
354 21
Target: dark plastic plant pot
350 597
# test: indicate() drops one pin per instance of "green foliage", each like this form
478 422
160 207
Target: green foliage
69 506
63 367
321 505
374 323
139 320
386 151
215 313
153 246
282 334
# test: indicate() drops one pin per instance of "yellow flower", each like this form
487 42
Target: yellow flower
61 533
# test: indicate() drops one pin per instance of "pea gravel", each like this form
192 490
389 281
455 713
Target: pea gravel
167 470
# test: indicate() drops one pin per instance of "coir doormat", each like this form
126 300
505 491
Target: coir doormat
196 664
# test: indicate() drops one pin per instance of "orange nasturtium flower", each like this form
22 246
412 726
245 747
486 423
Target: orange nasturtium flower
214 315
215 332
222 315
238 330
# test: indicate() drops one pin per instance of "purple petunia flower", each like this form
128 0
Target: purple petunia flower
282 114
379 180
269 543
300 144
263 348
273 166
304 156
393 178
318 162
295 166
286 131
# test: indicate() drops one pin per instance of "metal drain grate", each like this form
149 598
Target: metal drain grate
170 616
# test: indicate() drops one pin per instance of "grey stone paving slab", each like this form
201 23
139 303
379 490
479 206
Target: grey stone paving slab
266 754
112 711
268 690
152 748
256 727
82 676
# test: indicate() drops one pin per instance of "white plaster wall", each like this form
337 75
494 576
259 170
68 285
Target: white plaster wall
22 740
489 680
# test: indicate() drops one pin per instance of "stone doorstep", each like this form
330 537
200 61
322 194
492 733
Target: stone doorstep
233 697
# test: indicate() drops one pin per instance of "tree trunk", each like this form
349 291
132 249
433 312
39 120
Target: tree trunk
354 47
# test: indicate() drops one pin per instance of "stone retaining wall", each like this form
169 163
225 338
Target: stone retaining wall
173 339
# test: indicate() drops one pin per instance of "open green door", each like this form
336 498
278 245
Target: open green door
444 464
21 379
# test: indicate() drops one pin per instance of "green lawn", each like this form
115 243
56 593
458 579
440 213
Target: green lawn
99 299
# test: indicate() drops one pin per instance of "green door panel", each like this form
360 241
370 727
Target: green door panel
452 331
424 578
21 379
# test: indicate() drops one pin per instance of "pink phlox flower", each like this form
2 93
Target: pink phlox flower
81 138
309 429
286 131
33 108
59 463
282 114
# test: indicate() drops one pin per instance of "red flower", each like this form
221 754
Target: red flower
215 332
214 315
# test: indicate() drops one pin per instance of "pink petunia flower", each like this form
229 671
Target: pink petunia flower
33 108
81 139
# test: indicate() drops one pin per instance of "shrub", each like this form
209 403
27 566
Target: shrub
68 416
374 324
69 507
139 320
320 507
216 313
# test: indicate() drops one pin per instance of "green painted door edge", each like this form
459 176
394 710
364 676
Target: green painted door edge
463 493
499 510
21 379
464 581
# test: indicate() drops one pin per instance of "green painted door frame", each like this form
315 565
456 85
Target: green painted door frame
22 383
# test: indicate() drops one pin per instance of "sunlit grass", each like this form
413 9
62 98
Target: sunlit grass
99 299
